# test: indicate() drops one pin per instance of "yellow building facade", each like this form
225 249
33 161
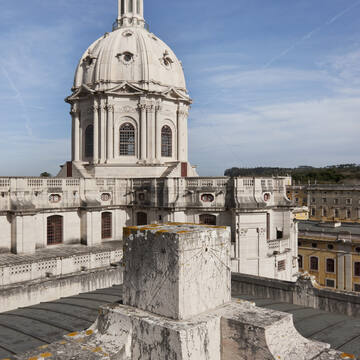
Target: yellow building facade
331 253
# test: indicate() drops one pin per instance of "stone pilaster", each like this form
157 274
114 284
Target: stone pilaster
76 134
110 132
96 132
143 132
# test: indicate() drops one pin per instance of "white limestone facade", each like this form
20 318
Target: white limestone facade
39 213
129 105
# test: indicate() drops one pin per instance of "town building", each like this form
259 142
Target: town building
328 202
331 253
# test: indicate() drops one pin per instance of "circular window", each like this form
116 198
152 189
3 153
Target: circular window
54 198
128 57
267 197
105 197
207 198
127 33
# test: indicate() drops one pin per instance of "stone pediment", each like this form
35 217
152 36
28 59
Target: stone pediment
172 93
82 91
125 88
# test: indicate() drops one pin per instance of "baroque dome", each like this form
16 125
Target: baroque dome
134 55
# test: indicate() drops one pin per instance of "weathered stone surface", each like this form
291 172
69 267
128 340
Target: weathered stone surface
182 272
249 332
177 271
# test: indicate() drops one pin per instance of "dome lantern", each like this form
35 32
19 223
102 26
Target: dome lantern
130 13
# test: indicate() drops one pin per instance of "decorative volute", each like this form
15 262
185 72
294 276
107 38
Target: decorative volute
130 13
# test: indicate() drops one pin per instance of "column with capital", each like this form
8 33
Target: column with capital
151 131
143 131
102 138
76 133
157 137
110 132
182 134
96 132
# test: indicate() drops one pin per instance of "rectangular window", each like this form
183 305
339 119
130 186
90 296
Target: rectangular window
282 265
348 214
312 211
348 201
357 269
330 283
336 201
314 263
279 234
357 287
106 225
330 265
324 200
312 200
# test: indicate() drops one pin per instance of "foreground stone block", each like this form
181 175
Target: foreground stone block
248 332
177 271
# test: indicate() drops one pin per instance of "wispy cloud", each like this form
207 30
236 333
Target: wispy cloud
311 33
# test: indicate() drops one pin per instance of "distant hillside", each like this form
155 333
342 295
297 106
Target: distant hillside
345 173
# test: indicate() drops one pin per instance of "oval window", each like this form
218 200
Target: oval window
54 198
105 197
207 198
267 197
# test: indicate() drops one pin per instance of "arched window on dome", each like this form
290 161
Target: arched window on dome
166 141
130 6
127 140
89 141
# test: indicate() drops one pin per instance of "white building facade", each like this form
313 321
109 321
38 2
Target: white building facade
130 166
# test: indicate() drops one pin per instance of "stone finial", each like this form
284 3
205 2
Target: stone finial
177 270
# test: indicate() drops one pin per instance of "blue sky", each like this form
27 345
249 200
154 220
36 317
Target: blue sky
274 83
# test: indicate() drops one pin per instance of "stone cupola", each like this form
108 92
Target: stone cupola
129 104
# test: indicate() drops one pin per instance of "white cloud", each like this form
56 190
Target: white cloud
284 134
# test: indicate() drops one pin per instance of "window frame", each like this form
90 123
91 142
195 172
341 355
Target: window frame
326 266
54 231
106 225
125 141
317 262
208 217
166 142
326 283
355 265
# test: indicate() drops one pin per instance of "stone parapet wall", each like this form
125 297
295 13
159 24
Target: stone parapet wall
31 194
20 269
50 289
304 292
